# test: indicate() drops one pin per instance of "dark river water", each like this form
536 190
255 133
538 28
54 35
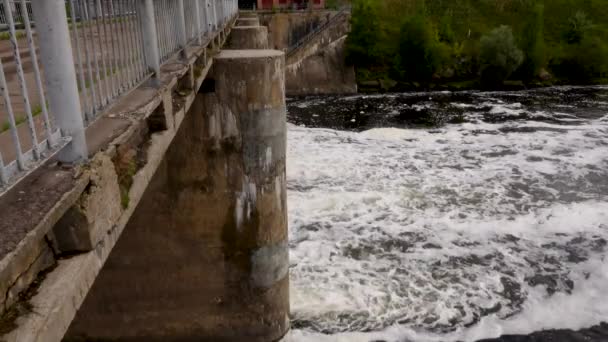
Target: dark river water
448 216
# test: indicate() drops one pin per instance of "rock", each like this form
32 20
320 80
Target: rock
544 75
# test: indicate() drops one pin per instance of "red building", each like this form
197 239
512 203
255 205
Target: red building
295 4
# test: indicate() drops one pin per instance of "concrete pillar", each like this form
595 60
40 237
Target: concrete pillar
255 238
247 22
205 255
247 14
249 37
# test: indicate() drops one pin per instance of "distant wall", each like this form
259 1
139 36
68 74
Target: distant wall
285 29
323 72
318 66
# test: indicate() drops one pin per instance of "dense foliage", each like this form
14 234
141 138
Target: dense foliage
481 41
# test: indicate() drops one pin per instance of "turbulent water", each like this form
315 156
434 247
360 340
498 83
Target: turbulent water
448 216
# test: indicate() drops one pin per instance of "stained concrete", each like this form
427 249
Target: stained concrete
204 256
247 22
249 37
52 296
322 72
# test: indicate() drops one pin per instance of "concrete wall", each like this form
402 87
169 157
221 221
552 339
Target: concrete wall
285 29
318 66
204 257
73 217
323 72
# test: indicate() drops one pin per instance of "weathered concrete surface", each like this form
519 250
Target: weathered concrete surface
286 29
85 223
49 297
248 14
323 72
248 37
204 257
318 66
247 22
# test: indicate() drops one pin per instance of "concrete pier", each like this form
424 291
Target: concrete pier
249 37
248 22
205 255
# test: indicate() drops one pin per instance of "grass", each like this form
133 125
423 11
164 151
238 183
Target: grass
7 35
6 125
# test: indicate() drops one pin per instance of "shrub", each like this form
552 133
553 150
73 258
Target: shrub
499 56
578 26
362 41
533 44
420 52
582 62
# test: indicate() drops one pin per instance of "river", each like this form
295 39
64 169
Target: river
447 216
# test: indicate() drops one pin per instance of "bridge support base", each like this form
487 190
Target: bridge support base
249 37
205 255
248 22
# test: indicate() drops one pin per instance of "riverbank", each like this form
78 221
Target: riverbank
391 86
418 45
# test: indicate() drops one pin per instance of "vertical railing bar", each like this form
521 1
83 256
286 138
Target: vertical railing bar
125 47
207 20
159 33
215 26
133 41
162 28
174 27
106 99
120 48
21 79
197 19
139 34
180 23
138 40
81 72
210 19
125 36
3 175
87 53
168 28
108 74
169 23
113 60
38 78
11 118
90 22
140 26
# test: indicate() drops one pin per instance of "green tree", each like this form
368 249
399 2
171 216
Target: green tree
578 26
533 43
583 61
420 52
362 42
499 56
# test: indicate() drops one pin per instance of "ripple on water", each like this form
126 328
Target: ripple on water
449 233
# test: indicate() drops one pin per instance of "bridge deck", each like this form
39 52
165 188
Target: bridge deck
128 128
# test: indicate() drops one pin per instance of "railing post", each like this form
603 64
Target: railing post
209 16
197 18
150 36
181 27
214 12
60 75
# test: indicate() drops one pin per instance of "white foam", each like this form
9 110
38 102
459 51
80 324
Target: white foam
424 231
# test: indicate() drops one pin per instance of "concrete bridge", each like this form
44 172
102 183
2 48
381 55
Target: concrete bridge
149 202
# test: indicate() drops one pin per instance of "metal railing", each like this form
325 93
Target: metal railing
311 35
57 77
16 10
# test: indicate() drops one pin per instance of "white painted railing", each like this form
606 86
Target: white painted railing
58 75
